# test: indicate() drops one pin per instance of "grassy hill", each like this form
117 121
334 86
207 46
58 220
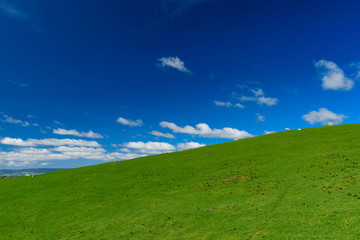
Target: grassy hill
289 185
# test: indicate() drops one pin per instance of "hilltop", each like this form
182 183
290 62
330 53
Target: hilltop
287 185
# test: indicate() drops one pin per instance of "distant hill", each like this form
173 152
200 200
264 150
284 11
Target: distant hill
23 172
287 185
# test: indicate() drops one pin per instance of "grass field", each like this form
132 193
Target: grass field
288 185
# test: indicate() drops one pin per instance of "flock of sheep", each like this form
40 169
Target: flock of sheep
28 175
329 124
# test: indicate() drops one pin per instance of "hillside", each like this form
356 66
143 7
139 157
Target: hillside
287 185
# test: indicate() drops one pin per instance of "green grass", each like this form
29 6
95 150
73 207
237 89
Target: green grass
289 185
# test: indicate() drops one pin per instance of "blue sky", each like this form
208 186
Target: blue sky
84 83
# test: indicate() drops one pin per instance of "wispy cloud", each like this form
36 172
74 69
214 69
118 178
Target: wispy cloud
323 116
19 84
174 8
333 77
12 120
48 142
203 130
74 132
260 118
259 97
228 104
129 122
160 134
269 132
10 10
173 62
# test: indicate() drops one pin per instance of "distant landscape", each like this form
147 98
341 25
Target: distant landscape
23 172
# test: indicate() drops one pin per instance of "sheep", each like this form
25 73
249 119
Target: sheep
115 161
27 175
330 123
33 175
235 139
287 129
299 129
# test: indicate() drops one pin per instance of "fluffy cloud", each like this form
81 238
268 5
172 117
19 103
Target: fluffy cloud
173 62
12 120
228 104
128 122
16 142
160 134
203 130
73 132
150 146
30 155
323 116
189 145
49 142
333 78
157 147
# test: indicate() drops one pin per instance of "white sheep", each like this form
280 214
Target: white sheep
27 175
33 175
287 129
299 129
330 123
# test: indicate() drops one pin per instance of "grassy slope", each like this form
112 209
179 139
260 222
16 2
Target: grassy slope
288 185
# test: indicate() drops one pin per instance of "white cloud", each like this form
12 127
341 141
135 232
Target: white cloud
269 132
17 163
260 117
203 130
11 11
245 99
228 104
239 105
223 104
323 116
189 145
48 142
73 132
333 78
150 146
160 134
258 92
260 98
173 62
44 164
16 142
267 101
128 122
12 120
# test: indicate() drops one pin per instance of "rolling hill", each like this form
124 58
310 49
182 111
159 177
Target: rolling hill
288 185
